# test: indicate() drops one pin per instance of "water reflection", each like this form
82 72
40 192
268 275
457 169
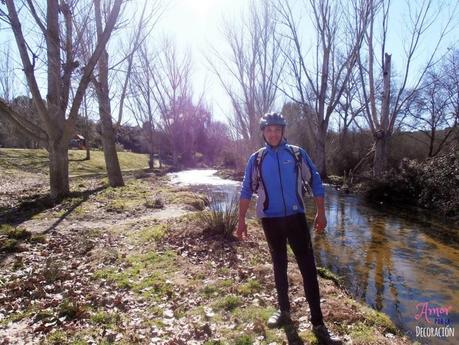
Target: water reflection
390 261
389 258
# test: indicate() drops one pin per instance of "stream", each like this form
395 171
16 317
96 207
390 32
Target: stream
401 262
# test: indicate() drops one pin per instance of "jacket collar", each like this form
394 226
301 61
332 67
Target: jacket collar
281 146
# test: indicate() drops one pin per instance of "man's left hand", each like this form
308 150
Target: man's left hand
320 222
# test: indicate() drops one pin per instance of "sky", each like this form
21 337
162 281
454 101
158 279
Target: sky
196 25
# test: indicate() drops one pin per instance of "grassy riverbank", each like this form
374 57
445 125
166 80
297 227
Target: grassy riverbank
133 265
36 161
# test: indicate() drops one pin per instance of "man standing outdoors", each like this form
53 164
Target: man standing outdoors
278 172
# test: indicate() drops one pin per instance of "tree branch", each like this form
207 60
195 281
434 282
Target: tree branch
88 69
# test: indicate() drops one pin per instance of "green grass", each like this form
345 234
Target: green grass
225 283
327 274
309 337
8 245
38 238
243 340
10 237
228 303
13 232
56 338
251 313
378 319
36 161
362 334
146 274
71 309
131 196
250 287
17 316
210 290
105 318
153 233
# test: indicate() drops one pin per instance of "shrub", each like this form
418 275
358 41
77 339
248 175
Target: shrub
222 216
156 202
431 184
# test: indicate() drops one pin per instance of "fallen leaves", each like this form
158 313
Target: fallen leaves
90 281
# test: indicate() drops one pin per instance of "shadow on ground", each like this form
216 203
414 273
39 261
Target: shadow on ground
26 209
291 331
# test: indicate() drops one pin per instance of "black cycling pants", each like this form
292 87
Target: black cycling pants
293 229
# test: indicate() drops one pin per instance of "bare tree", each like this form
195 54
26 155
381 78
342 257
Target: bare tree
142 101
162 84
102 91
339 27
451 69
103 80
348 110
376 77
7 75
86 131
57 113
251 70
434 106
141 32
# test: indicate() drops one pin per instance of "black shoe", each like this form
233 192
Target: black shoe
279 318
324 336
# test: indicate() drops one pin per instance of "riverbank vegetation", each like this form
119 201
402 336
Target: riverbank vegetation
431 184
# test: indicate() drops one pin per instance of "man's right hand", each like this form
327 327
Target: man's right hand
241 231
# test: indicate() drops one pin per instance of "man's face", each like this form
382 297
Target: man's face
273 134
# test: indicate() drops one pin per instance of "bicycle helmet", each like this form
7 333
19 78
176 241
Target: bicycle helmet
272 119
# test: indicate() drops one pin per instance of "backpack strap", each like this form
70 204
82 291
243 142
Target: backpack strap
256 172
257 175
303 172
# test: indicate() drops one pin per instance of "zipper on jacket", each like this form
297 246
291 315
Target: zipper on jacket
280 179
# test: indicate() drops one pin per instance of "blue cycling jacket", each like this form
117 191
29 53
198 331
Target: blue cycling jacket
279 182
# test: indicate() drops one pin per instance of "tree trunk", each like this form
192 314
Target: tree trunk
108 140
151 161
320 159
58 168
380 159
102 90
86 129
57 127
382 135
431 143
159 155
115 177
